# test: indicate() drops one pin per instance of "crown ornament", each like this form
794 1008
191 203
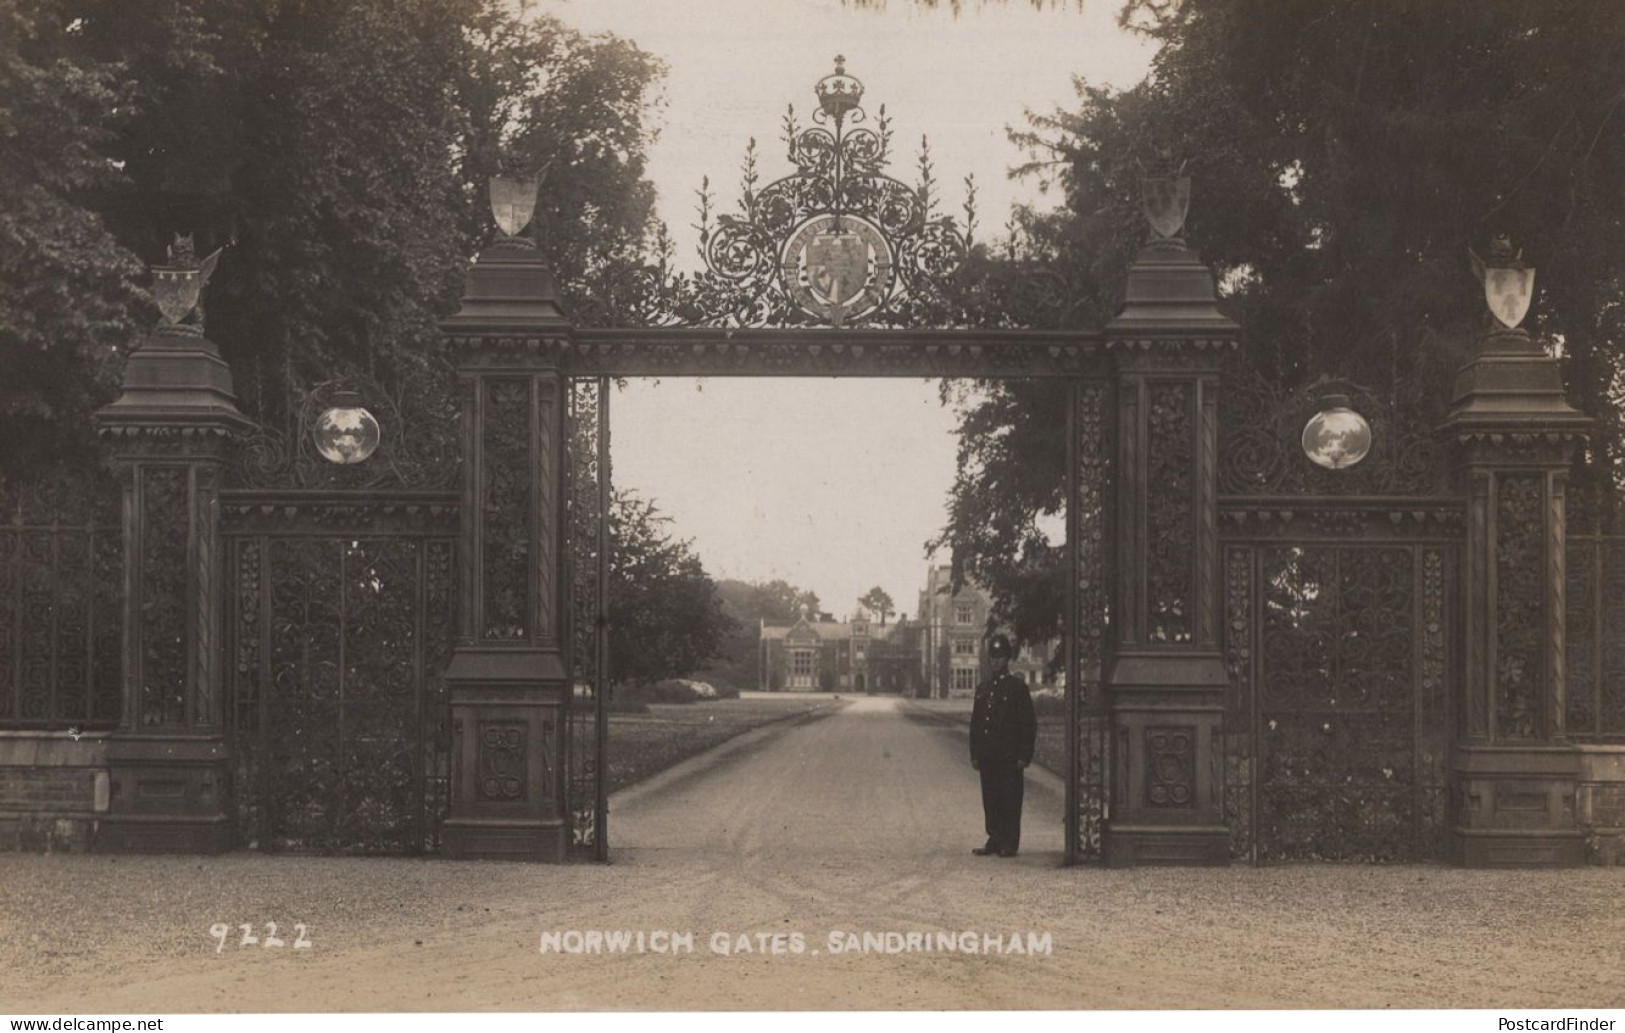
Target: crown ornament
839 94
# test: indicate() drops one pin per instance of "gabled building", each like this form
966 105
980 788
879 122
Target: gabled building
953 629
836 656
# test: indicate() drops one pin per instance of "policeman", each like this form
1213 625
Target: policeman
1002 733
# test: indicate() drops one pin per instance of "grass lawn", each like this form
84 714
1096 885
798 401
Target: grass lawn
642 744
1050 750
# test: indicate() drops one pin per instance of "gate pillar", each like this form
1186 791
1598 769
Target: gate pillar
507 680
169 761
1515 772
1167 678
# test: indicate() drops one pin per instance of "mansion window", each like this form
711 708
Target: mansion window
964 613
801 662
965 678
964 647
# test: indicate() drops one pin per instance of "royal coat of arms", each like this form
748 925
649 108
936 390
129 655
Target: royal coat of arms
837 268
1509 285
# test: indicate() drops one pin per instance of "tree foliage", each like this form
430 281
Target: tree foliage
338 151
877 601
666 617
1344 157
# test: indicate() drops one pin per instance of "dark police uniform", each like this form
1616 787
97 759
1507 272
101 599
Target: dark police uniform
1002 733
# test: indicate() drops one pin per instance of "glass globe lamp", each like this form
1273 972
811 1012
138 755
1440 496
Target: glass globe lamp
1337 437
347 433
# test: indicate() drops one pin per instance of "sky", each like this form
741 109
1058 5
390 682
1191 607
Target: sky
833 485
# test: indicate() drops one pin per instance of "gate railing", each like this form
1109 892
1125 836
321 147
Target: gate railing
61 608
587 482
1595 638
341 612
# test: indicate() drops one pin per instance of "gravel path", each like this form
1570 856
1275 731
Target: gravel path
860 821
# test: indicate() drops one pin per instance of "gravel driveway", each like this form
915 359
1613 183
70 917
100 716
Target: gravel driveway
859 822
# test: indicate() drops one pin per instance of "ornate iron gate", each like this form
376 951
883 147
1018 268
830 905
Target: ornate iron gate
587 510
1338 597
337 645
340 618
1337 720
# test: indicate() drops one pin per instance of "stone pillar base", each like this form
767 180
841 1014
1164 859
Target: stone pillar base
1517 848
1128 845
508 739
1516 807
169 796
497 839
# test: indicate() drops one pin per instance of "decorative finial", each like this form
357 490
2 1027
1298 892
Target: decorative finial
177 286
1509 285
1165 195
838 93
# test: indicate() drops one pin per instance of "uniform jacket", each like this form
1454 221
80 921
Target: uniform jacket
1002 725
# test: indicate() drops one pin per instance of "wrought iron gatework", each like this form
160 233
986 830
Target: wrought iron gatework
839 242
61 600
341 618
1339 624
338 646
1338 720
1595 639
1088 717
587 511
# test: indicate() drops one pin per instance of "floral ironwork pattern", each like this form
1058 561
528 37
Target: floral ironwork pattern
420 445
335 650
587 479
1520 566
1595 639
1088 513
1433 705
1238 706
1337 705
1170 511
164 509
505 506
61 617
1260 451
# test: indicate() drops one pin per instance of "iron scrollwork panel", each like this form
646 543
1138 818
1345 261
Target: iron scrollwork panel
588 480
336 647
1348 684
1238 638
1090 507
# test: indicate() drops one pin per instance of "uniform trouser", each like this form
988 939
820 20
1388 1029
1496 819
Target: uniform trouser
1003 784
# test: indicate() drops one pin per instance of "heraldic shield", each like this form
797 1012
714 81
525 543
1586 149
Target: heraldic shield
1167 200
1508 292
837 266
513 202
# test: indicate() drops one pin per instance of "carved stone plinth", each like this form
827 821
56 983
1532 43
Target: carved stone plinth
1516 773
507 679
169 762
1166 678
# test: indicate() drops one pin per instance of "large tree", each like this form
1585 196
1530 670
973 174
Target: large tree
1344 158
338 151
665 615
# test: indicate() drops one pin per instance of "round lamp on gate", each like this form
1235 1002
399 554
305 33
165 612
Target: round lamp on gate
1337 437
346 433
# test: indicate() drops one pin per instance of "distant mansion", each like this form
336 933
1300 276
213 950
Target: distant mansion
941 651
